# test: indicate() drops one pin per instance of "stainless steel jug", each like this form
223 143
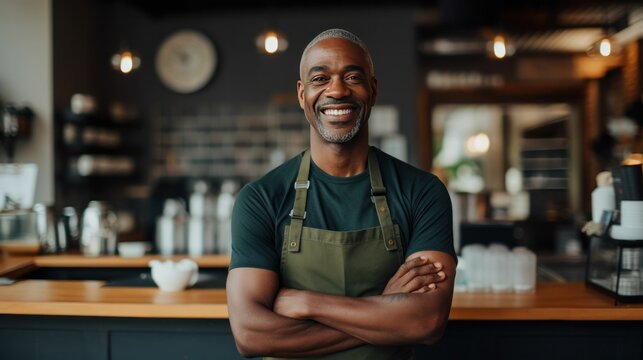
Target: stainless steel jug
99 230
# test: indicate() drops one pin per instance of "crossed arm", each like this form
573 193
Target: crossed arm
269 321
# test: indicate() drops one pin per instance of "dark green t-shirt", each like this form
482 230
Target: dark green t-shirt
418 201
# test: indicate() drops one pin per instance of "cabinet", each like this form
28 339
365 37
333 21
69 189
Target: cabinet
546 169
615 266
544 156
544 163
92 146
96 158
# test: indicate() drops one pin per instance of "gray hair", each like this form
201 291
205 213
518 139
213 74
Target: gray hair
339 34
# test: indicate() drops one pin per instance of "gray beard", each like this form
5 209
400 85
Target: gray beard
338 139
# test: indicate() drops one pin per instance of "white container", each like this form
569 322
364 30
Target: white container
501 280
133 249
632 213
99 230
602 199
523 270
171 229
201 236
475 256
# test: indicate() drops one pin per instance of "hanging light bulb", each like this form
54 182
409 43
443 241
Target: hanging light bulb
125 61
271 42
499 47
605 47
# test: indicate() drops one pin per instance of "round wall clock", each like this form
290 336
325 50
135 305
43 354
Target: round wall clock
186 61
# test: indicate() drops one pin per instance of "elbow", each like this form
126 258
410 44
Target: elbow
434 329
428 330
249 344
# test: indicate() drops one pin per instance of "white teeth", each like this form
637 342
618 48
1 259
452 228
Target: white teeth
337 112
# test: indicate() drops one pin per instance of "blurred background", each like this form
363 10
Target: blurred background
515 105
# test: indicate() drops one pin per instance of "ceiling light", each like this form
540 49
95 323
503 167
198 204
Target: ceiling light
125 61
500 47
271 42
605 46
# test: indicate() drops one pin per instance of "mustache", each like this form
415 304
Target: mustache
348 101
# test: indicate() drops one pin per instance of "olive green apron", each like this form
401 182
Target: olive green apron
347 263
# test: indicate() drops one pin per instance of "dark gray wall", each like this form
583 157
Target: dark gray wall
245 76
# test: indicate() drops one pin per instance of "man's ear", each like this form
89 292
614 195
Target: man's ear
300 93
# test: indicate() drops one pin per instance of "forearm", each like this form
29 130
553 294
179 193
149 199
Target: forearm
259 331
395 319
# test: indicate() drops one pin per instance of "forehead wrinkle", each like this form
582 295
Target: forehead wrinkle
347 68
342 35
350 67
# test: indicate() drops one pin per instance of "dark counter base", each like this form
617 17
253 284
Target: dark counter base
564 340
94 338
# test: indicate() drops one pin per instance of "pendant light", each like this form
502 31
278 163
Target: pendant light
499 47
125 61
606 45
271 42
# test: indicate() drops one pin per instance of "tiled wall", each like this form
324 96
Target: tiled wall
225 141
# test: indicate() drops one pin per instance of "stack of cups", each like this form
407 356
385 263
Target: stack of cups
498 269
631 216
500 262
475 256
523 269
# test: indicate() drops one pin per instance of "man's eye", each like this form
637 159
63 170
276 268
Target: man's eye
318 79
354 78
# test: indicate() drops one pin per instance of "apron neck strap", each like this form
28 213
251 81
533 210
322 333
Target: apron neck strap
298 212
378 196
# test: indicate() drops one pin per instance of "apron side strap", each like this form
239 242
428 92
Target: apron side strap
294 235
386 224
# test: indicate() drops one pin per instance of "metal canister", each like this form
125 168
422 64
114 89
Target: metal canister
46 225
99 230
68 229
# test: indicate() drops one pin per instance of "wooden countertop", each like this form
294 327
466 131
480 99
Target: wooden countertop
72 261
551 301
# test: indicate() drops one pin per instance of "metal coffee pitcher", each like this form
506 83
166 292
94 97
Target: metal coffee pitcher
99 230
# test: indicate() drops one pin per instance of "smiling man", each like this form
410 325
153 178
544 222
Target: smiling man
343 252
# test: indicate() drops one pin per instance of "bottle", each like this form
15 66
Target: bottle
224 213
170 228
602 196
99 230
201 226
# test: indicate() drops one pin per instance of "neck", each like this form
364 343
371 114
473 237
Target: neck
340 160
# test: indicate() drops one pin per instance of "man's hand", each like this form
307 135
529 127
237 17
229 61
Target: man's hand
416 275
291 303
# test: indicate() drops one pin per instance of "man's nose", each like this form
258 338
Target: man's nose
337 89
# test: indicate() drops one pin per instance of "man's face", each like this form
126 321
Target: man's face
337 89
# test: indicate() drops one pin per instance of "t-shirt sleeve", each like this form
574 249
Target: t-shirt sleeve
432 219
253 243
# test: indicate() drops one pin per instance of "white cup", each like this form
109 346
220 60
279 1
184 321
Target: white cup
133 248
174 276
